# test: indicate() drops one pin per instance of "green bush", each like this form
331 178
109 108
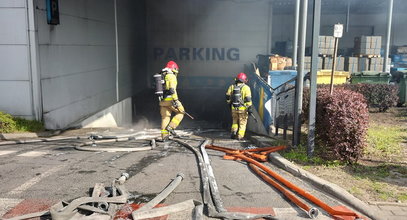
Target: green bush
7 124
10 124
380 96
341 124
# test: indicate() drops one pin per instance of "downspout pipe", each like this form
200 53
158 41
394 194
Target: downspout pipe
33 54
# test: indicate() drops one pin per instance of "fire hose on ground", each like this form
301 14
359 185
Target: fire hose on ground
99 139
147 211
210 191
245 155
92 144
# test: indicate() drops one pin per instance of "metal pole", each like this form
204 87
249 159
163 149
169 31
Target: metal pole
117 51
331 89
295 38
388 35
313 79
347 16
300 75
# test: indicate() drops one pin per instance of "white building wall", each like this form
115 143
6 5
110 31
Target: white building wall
78 58
15 75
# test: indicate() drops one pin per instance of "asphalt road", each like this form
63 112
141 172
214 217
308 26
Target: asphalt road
52 171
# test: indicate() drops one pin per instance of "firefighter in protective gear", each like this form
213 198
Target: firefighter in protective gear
239 97
170 103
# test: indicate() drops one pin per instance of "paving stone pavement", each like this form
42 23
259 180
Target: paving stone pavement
392 211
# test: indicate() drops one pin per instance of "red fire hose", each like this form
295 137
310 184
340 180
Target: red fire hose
324 206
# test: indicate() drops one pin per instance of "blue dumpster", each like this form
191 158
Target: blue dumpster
278 77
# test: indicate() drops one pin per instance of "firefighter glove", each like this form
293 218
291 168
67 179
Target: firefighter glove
250 110
175 103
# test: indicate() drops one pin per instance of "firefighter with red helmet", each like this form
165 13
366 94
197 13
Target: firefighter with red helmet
169 102
239 97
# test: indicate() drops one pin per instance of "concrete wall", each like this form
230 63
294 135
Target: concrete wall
359 24
15 74
78 57
211 39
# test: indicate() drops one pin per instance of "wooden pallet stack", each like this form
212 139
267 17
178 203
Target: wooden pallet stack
279 62
368 46
307 63
352 64
326 45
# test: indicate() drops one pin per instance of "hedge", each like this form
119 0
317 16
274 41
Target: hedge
341 123
380 96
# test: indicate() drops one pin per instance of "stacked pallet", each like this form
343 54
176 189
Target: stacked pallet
401 50
279 63
368 46
326 45
307 63
340 63
400 58
363 64
366 64
352 64
376 64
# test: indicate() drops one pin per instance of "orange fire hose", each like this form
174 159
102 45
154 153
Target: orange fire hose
312 212
288 184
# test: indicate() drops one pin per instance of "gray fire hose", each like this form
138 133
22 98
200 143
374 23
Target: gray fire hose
162 195
31 141
209 195
166 210
83 146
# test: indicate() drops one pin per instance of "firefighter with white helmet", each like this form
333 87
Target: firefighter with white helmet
239 97
169 102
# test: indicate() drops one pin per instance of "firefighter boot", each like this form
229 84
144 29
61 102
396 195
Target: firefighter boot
172 132
233 135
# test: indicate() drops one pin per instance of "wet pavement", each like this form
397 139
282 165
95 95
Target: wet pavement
44 173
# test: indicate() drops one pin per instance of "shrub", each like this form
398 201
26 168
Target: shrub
380 96
341 124
10 124
7 124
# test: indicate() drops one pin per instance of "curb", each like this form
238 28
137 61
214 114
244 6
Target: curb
328 187
322 184
27 135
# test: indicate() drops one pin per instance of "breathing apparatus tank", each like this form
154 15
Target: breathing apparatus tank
236 96
159 85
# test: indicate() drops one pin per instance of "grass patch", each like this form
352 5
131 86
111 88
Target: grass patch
9 124
299 155
402 197
384 141
381 190
356 191
24 125
378 172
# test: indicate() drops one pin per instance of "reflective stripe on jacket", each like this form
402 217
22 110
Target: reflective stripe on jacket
246 96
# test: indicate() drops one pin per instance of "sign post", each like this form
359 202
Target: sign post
338 32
